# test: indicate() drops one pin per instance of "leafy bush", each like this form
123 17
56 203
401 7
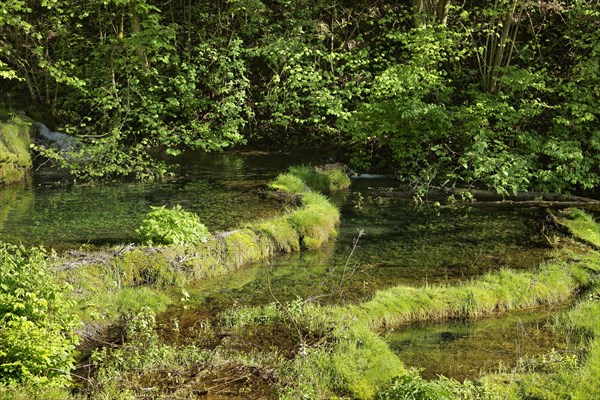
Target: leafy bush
37 329
168 226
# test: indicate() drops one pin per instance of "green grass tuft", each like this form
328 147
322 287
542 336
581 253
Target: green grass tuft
582 225
289 183
363 361
281 233
316 221
338 179
315 180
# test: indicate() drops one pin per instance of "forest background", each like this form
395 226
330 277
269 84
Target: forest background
496 94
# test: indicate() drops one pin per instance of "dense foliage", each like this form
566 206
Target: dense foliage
496 94
37 326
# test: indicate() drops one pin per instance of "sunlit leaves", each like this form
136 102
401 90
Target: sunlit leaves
37 327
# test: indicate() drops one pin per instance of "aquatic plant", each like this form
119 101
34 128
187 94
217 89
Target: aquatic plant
172 226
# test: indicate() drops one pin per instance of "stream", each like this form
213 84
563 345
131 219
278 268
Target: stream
383 241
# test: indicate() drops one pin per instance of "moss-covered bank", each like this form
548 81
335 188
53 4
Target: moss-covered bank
299 350
351 360
304 350
102 278
15 140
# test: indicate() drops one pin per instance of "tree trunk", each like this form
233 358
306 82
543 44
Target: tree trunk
134 20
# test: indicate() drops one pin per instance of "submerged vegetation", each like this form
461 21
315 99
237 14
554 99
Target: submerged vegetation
193 254
146 336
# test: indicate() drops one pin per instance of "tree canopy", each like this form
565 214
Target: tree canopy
499 94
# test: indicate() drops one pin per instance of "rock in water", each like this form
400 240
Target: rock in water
61 141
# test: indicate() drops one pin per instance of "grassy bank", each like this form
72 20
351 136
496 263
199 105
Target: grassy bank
300 350
15 157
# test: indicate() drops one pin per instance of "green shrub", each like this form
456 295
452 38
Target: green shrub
34 392
37 328
172 226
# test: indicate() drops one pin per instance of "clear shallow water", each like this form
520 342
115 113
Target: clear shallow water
465 350
224 189
401 244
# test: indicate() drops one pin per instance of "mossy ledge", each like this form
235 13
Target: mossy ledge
312 222
15 156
